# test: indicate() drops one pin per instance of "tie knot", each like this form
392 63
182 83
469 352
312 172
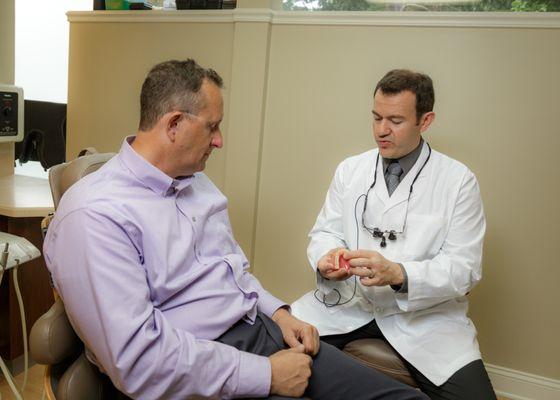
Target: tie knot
395 169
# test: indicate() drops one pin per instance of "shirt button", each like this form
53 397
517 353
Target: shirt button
194 219
378 309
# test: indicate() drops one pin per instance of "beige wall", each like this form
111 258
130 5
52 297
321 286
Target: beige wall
108 63
299 98
7 41
7 64
497 111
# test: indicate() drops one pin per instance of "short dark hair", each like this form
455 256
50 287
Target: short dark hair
173 85
399 80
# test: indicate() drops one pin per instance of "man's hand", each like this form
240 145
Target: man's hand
297 332
291 370
374 269
326 267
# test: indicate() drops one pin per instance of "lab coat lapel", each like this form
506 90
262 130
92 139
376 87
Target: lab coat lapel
401 192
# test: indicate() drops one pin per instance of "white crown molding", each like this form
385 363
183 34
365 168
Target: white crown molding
517 385
422 19
334 18
153 16
253 15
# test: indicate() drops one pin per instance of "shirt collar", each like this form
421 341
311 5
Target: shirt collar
406 162
149 175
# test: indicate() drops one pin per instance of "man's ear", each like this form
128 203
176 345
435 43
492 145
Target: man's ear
427 120
171 121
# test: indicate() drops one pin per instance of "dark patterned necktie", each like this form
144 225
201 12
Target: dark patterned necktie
394 171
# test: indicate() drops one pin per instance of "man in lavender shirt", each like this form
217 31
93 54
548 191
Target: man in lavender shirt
143 255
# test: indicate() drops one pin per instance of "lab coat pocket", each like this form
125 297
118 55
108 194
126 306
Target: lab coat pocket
424 236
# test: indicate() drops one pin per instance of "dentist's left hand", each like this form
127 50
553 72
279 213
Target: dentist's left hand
374 269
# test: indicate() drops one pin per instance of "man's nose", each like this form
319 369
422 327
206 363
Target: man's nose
218 140
384 128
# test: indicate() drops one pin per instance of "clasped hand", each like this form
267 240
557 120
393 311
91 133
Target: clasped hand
291 368
370 266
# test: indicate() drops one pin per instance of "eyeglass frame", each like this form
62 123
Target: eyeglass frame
210 128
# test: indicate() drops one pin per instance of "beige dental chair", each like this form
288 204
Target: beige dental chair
53 342
377 354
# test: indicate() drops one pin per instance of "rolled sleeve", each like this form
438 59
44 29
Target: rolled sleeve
268 304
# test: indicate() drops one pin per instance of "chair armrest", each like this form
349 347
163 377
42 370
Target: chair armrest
52 338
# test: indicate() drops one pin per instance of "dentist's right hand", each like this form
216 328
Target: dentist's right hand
291 370
326 266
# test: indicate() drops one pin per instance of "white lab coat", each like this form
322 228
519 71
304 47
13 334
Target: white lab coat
440 249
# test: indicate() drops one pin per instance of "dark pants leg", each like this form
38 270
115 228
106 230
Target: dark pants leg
334 374
468 383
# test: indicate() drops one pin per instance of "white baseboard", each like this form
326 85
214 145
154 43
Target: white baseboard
517 385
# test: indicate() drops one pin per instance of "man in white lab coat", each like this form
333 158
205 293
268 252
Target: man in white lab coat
410 222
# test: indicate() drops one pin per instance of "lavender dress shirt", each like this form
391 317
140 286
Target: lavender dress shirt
150 275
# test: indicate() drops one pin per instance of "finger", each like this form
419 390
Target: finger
337 274
367 281
362 272
373 281
300 348
333 251
309 340
291 340
359 254
317 341
309 360
361 262
346 254
325 268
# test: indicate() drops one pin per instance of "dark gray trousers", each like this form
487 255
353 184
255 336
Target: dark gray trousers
334 376
469 383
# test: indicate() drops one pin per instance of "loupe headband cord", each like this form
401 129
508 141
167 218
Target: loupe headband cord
367 228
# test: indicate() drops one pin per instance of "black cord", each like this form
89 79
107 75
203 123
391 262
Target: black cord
338 303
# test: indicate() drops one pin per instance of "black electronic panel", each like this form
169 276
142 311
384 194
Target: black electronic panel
45 134
9 113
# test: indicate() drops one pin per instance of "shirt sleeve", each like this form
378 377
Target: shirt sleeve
327 233
456 268
98 273
267 303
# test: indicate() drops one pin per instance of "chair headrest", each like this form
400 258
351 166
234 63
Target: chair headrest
62 176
